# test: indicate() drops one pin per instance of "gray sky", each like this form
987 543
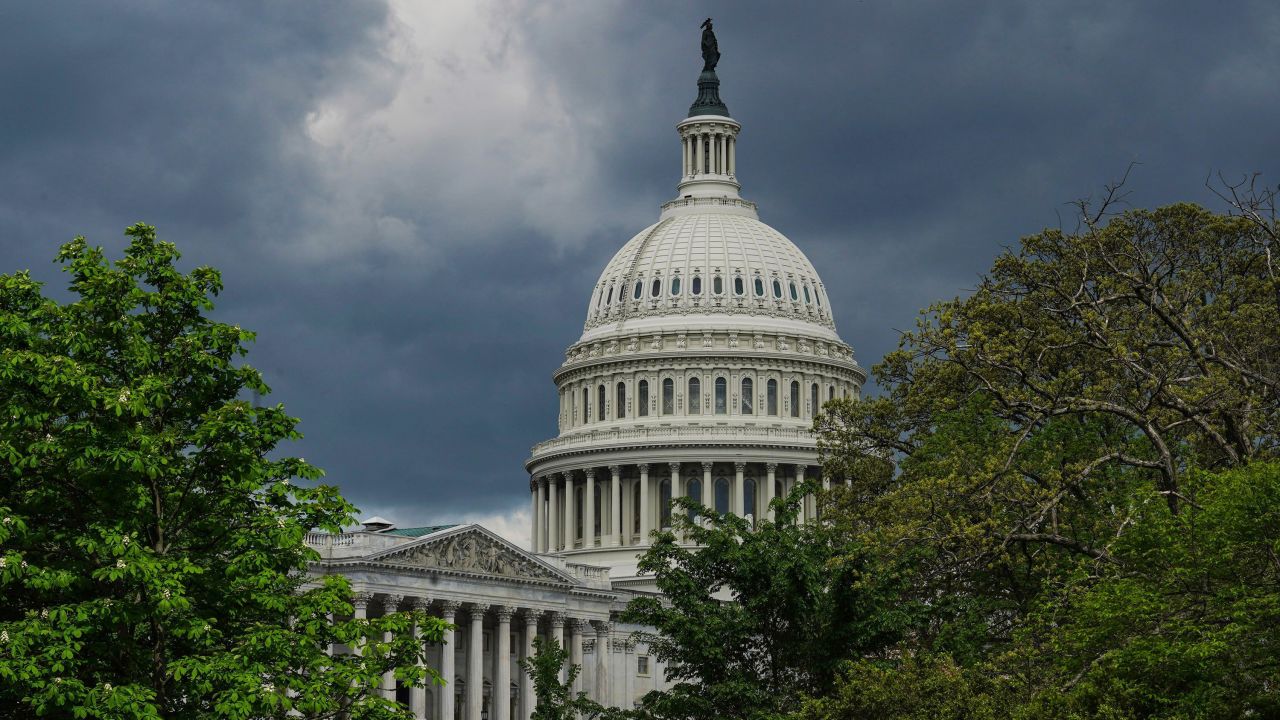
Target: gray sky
410 202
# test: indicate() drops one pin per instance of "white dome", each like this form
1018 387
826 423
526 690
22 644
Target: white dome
697 267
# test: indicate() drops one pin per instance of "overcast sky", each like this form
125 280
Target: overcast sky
410 201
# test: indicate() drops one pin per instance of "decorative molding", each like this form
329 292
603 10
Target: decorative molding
503 613
557 619
531 616
449 609
391 603
361 600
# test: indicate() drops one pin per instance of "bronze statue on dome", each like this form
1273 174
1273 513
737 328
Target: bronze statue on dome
710 48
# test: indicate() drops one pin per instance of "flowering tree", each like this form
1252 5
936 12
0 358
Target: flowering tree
152 556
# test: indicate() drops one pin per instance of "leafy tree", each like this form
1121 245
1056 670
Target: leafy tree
1037 466
752 620
556 700
152 556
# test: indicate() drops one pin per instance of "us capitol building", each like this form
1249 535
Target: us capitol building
708 347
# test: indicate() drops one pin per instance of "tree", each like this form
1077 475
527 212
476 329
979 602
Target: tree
556 699
753 619
152 555
1039 454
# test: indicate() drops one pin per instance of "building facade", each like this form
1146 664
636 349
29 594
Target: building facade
709 346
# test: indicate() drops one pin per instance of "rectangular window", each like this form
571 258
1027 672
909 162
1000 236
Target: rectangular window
642 665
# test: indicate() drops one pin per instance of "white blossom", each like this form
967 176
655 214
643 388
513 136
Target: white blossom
167 594
280 522
48 437
23 565
125 541
120 564
57 681
268 687
4 636
124 396
4 561
8 520
106 688
44 613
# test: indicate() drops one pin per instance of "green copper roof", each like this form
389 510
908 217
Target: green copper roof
416 531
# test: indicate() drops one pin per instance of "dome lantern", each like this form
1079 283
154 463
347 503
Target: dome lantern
708 142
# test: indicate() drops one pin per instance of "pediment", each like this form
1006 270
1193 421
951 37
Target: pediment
473 550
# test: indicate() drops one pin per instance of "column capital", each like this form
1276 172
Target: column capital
800 470
603 627
707 465
449 609
577 624
533 484
675 468
504 612
531 616
615 470
739 466
557 619
771 467
567 476
422 603
391 603
590 473
644 467
361 599
477 610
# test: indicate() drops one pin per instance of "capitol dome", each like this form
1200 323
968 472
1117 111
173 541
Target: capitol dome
708 349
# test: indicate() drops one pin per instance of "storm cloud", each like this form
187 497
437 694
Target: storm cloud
411 201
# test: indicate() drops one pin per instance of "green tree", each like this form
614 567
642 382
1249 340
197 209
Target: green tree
1038 455
753 619
152 556
556 700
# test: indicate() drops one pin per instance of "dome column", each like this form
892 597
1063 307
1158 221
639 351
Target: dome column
644 503
552 540
534 514
739 506
677 490
615 506
771 469
733 156
708 490
567 521
589 510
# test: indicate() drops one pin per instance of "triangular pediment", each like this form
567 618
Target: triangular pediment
473 550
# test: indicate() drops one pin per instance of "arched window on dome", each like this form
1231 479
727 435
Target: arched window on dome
717 285
608 296
664 504
635 510
807 301
695 396
722 387
771 397
600 298
675 285
620 402
722 495
640 289
693 487
814 407
777 289
668 396
759 286
738 287
586 405
642 399
795 399
599 508
817 295
600 403
794 296
747 391
622 291
695 287
656 290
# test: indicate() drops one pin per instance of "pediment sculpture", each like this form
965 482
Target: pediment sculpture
472 552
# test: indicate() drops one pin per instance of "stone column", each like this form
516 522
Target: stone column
708 489
502 666
475 662
575 650
677 489
389 605
567 521
448 611
557 634
739 506
603 631
733 156
615 506
645 526
553 512
418 695
360 607
589 511
771 469
527 699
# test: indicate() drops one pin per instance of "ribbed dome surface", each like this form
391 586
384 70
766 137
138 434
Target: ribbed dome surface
672 267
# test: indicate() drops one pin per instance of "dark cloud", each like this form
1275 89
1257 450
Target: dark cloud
413 225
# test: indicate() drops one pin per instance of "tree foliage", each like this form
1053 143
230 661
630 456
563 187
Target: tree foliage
752 620
152 556
1047 459
556 700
